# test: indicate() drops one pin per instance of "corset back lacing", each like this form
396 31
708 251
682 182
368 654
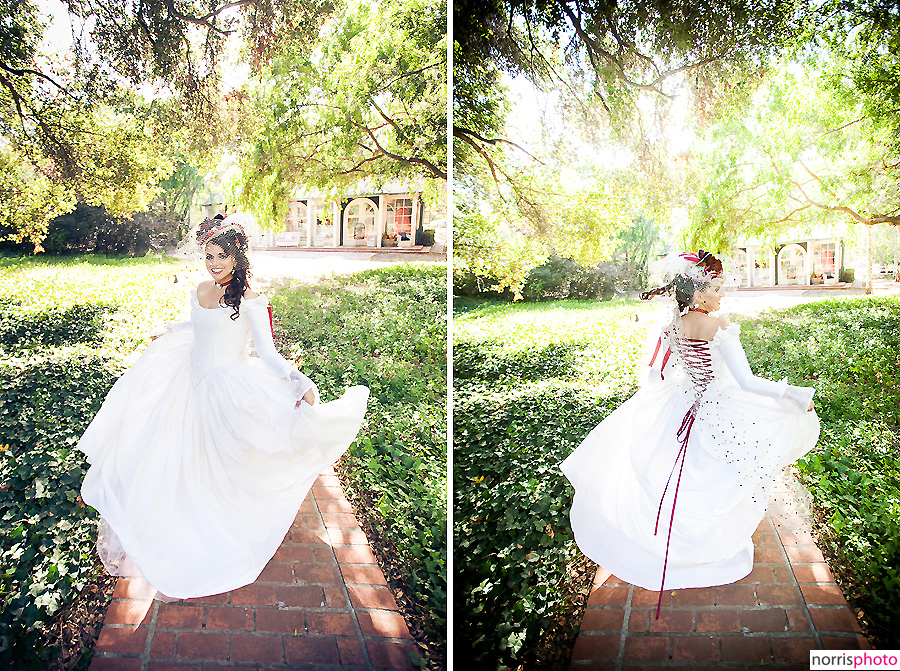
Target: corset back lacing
697 362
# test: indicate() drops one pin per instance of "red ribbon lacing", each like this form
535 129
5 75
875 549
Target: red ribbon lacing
665 357
698 363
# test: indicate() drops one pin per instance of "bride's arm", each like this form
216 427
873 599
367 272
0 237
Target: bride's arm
799 398
260 330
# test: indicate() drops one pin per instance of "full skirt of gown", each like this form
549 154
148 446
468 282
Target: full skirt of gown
198 481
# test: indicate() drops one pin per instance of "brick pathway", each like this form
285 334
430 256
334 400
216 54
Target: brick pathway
321 603
786 607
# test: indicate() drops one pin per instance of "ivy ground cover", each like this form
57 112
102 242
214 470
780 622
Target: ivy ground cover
530 381
69 328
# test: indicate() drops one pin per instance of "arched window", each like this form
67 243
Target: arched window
359 223
792 265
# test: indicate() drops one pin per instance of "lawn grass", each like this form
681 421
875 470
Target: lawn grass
70 327
531 380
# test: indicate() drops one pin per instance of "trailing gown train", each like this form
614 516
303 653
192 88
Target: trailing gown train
199 459
703 435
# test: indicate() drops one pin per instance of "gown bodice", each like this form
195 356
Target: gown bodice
218 339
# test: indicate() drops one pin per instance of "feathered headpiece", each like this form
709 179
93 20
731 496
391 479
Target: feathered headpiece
211 228
700 267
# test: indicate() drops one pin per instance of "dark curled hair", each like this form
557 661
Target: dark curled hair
683 287
234 244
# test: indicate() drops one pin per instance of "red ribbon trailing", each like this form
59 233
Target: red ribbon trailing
699 364
665 357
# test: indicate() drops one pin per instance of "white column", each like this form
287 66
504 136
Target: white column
379 221
807 264
338 224
773 259
414 218
750 265
310 220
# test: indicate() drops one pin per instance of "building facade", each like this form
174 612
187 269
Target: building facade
802 261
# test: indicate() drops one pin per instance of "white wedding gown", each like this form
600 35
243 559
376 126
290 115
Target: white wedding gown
744 430
199 459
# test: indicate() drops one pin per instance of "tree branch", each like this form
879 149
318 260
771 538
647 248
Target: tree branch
204 20
459 131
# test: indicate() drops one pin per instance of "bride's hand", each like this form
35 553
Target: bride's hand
309 397
812 406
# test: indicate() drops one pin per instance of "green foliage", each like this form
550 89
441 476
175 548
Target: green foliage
560 278
387 329
530 381
848 350
369 101
47 399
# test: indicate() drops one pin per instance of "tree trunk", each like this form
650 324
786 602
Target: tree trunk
868 259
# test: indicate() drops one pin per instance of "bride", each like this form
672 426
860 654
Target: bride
201 453
670 487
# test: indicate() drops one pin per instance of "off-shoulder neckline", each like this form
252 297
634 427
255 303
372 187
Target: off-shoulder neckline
720 334
196 300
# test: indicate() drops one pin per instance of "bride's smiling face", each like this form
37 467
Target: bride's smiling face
219 264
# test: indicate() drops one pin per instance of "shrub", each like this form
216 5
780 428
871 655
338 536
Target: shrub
90 229
560 278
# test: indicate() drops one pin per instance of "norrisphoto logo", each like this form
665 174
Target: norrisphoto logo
853 659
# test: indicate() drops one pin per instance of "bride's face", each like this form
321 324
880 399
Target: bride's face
219 264
710 297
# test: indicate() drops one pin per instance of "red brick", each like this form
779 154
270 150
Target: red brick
340 520
213 598
277 572
765 525
365 596
115 664
695 649
320 574
363 574
767 555
751 650
335 597
391 655
354 554
128 612
333 492
350 651
770 619
312 522
334 506
308 506
857 642
797 619
777 595
346 537
202 646
301 595
287 621
256 648
305 650
833 619
813 573
681 621
609 595
384 624
823 594
308 537
736 595
176 616
765 539
340 624
646 649
592 646
759 575
596 619
171 666
804 554
783 574
163 644
122 639
254 595
327 481
229 617
694 597
718 620
793 649
295 553
133 589
645 597
639 620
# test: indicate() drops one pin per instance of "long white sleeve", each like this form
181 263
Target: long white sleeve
798 398
257 313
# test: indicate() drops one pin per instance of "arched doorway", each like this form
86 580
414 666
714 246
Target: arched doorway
359 223
740 259
792 265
